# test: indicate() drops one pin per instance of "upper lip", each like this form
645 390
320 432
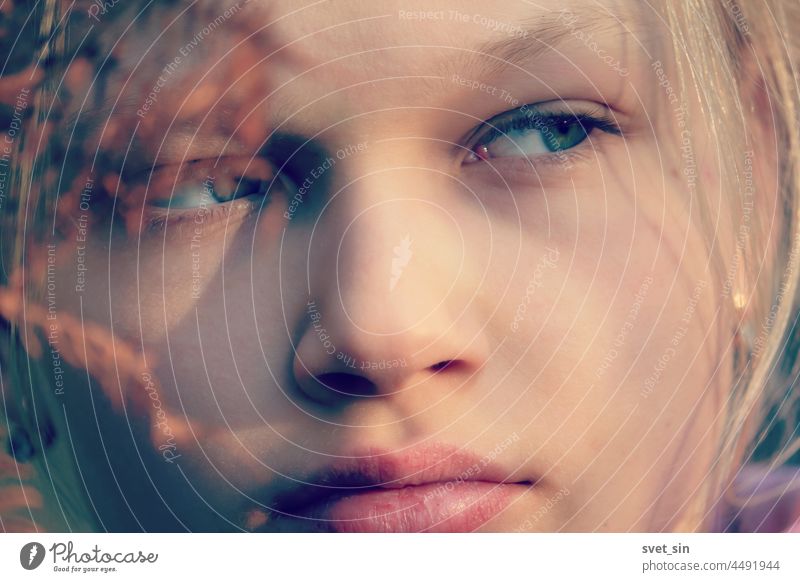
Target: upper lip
386 469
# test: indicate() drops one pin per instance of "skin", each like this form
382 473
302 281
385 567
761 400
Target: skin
236 367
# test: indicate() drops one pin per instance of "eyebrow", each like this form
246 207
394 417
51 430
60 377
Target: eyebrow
546 33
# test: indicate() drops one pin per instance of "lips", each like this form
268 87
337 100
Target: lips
426 489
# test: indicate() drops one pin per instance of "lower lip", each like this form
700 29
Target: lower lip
432 507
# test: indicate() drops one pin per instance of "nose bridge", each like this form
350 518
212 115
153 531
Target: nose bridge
389 284
393 249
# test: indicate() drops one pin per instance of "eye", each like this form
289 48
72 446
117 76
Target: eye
205 182
207 190
537 130
195 194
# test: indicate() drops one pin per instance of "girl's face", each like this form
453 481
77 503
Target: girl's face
366 261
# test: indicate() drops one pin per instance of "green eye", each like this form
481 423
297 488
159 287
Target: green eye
528 133
195 194
564 134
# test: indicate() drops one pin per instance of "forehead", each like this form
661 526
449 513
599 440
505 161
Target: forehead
336 60
349 41
350 26
358 40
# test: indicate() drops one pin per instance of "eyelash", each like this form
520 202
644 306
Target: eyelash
527 117
535 119
158 217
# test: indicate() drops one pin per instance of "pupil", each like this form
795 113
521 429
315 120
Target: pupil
566 133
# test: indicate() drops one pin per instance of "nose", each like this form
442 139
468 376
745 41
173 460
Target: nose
391 291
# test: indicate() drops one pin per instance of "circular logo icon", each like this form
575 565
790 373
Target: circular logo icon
31 555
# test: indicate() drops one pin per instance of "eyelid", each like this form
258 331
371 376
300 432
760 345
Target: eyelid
218 169
552 108
163 181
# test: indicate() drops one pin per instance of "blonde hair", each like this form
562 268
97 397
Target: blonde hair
739 57
719 47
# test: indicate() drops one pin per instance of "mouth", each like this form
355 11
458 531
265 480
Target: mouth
431 489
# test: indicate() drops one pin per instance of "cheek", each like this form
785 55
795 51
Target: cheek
619 331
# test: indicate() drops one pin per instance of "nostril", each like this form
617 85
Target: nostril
348 384
443 365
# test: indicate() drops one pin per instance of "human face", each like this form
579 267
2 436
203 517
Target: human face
404 318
